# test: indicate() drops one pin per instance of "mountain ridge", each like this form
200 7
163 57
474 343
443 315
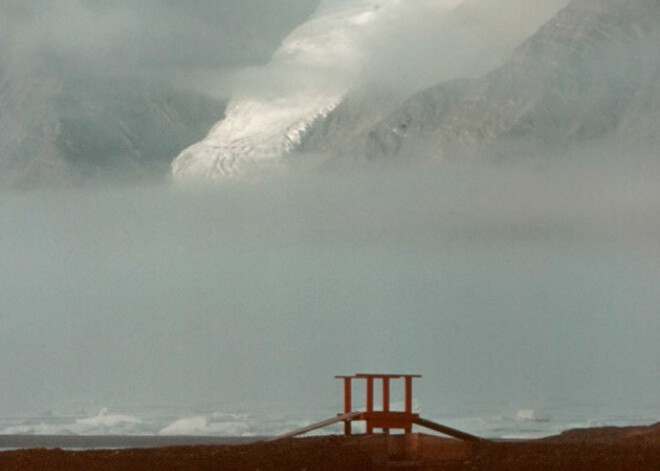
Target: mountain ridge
60 131
577 79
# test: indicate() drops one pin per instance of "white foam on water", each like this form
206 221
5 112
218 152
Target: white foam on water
104 423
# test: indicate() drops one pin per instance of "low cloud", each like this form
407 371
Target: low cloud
147 37
523 284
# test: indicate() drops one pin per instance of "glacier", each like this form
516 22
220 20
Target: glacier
265 128
343 51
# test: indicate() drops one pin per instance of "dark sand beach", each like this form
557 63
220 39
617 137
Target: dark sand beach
610 448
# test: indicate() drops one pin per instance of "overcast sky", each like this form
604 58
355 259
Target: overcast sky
167 37
125 36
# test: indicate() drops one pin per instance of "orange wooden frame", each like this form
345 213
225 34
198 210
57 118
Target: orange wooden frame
384 419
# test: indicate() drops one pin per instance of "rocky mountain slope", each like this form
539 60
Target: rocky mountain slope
334 89
592 72
64 132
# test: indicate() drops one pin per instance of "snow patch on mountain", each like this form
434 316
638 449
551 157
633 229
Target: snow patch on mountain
253 130
309 75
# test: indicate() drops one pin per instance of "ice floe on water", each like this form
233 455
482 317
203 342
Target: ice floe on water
104 423
161 422
515 424
531 415
232 425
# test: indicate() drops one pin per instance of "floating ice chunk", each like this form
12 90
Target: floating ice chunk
38 429
531 415
203 425
103 419
186 426
101 424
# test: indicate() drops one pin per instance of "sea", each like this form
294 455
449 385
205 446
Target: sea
526 296
258 422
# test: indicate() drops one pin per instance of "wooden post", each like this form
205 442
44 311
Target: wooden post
409 382
347 395
370 395
386 394
347 404
386 399
370 403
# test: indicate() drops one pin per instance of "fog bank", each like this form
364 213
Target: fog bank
507 287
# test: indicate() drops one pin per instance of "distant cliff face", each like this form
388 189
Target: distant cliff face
59 131
592 71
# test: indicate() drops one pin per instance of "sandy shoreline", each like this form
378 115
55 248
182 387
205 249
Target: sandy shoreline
90 442
609 448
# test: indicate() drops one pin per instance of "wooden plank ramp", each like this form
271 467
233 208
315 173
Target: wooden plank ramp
315 426
452 432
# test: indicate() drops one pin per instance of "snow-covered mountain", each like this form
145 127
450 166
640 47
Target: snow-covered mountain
347 68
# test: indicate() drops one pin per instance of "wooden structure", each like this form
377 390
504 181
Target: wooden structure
384 419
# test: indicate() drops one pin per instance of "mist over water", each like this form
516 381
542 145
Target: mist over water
508 288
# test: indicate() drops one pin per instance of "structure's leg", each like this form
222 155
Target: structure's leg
347 396
409 398
348 430
386 394
370 395
348 404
